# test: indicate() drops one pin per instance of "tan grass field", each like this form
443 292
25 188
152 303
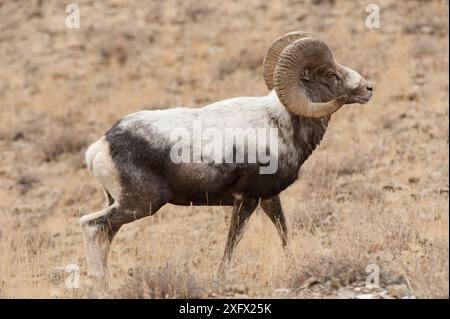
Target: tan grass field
374 192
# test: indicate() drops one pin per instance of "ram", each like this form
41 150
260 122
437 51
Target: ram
134 160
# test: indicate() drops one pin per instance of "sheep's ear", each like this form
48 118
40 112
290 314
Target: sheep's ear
305 74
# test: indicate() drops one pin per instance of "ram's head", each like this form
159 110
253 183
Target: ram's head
307 80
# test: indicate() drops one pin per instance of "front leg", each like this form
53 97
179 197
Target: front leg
272 208
242 210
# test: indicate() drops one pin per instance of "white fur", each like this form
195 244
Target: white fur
353 78
92 152
246 113
239 112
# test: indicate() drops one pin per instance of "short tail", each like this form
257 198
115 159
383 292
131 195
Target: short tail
93 151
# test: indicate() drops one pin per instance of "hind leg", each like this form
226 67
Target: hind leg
100 228
98 234
132 192
272 208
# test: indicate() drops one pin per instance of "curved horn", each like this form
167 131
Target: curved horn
292 61
272 55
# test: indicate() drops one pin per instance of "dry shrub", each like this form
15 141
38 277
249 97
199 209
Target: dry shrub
26 182
354 165
246 59
167 281
341 216
196 11
62 140
311 217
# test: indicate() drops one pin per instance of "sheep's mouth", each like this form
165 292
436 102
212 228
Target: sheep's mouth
362 99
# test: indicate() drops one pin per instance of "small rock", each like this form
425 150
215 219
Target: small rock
301 17
366 290
239 289
335 283
18 136
398 291
412 96
382 292
389 279
420 81
309 282
341 197
413 180
427 29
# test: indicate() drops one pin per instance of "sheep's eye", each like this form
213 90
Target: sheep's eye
331 75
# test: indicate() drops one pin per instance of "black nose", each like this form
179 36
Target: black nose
369 88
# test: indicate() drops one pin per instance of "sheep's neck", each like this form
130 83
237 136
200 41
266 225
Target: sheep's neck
309 134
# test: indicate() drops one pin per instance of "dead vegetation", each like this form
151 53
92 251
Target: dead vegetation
61 140
374 192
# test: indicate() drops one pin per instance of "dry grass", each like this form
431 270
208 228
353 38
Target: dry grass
59 140
375 191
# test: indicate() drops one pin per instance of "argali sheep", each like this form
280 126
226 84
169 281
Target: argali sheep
132 160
